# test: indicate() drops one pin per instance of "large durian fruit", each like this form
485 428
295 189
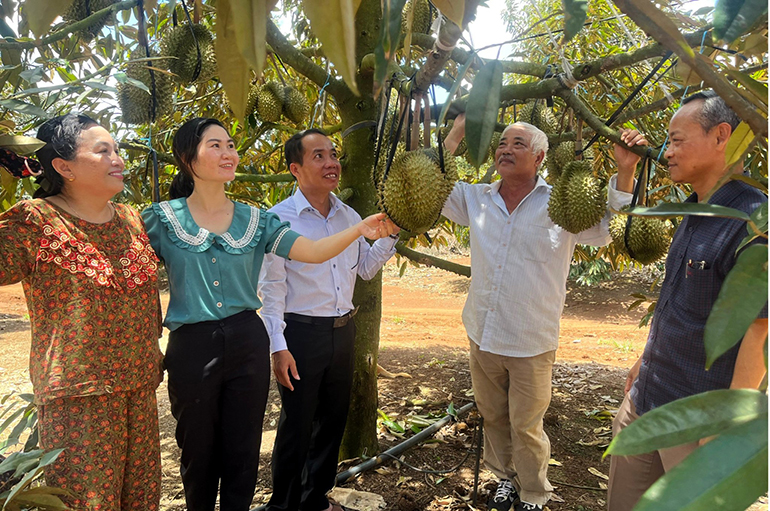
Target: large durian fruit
270 100
423 16
180 43
539 115
137 104
578 199
81 9
295 105
415 189
648 238
560 156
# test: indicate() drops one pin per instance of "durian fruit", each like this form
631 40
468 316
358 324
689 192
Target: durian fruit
490 155
270 102
578 199
415 189
379 168
251 101
137 104
180 43
461 147
539 115
560 156
81 9
423 16
295 105
648 238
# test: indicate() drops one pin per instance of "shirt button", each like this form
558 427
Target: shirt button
338 288
219 304
334 266
499 265
504 244
492 310
689 229
213 259
216 283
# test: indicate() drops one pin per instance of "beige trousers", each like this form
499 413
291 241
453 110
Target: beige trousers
631 476
512 395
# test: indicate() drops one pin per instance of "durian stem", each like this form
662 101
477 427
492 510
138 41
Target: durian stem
429 260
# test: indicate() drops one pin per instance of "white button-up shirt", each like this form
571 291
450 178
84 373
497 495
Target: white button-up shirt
519 262
325 289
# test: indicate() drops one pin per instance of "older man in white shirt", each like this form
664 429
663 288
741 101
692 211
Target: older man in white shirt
520 261
308 311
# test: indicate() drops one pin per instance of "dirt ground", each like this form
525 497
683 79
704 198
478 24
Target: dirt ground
422 335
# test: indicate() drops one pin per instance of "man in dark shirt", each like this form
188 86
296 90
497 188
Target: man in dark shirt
702 253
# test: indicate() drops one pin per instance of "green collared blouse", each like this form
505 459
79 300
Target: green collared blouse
211 276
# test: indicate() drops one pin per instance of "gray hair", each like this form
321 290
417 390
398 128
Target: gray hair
713 110
538 140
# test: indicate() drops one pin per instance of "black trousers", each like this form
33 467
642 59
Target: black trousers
313 416
218 378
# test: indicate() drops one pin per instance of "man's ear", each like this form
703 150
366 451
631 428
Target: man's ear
723 132
539 159
293 169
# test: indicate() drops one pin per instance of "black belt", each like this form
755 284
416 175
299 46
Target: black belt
329 322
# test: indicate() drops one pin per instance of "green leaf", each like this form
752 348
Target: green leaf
739 141
455 86
41 13
21 144
759 217
759 185
741 299
481 110
688 420
733 18
249 19
729 474
454 10
234 71
123 78
12 462
333 22
100 86
688 208
390 33
575 12
757 89
24 108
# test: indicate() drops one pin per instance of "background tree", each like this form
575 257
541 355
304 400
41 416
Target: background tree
342 55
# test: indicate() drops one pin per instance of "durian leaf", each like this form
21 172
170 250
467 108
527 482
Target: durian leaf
688 208
575 12
333 22
481 110
390 32
21 144
100 86
234 70
733 18
456 85
739 141
41 13
759 185
688 420
123 78
757 89
249 19
454 10
740 300
24 108
648 9
728 473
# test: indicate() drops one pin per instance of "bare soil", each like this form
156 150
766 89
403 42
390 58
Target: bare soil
422 335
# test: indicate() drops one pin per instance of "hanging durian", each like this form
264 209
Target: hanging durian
180 43
539 115
560 156
422 18
270 102
81 9
415 189
461 147
578 199
138 105
648 238
295 105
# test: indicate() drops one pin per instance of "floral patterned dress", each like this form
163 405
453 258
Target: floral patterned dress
93 302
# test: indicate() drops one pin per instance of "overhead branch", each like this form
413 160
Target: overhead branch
582 111
283 177
436 262
135 146
656 106
303 65
69 29
702 66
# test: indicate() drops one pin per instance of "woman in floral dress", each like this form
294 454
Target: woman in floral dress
90 280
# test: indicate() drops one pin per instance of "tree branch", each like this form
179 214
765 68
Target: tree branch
703 67
303 65
655 106
429 260
134 146
69 29
283 177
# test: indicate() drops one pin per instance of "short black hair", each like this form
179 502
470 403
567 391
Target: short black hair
293 150
714 110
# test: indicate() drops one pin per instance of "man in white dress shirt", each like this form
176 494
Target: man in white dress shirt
308 311
520 261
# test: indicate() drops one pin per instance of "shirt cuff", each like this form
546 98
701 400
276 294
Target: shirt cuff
615 198
285 242
278 343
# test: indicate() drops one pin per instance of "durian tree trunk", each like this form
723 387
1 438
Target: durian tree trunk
358 160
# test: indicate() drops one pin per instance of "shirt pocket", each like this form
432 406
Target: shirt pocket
701 288
536 244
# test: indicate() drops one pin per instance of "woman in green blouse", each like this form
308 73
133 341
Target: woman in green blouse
218 358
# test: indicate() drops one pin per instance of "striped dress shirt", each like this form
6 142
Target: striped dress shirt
519 262
324 289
